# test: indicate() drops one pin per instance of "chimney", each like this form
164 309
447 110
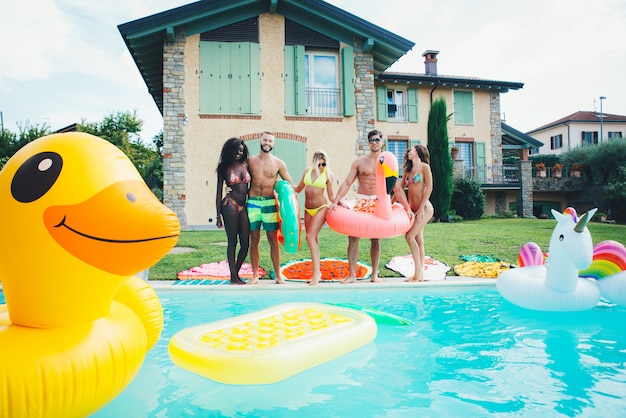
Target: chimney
430 61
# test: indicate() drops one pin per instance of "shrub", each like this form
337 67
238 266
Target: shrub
468 199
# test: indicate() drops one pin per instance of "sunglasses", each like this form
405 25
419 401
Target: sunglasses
321 165
374 140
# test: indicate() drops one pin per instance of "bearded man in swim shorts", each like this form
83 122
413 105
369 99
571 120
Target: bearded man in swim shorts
364 169
261 206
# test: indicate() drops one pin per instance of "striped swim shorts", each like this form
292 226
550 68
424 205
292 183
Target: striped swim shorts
262 213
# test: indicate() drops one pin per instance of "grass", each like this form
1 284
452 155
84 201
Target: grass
446 242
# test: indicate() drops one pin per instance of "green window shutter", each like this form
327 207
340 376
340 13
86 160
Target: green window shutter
255 78
347 80
224 97
290 81
300 80
481 161
239 66
295 79
210 82
414 142
463 108
412 105
381 103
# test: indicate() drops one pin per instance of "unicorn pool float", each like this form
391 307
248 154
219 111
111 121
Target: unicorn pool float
388 219
555 285
78 222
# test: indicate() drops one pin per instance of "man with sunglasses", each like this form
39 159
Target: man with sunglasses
362 169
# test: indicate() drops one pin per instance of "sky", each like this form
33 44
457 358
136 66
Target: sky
64 61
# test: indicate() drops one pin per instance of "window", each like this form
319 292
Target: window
396 109
396 105
230 75
312 82
556 142
398 148
590 137
466 153
614 135
463 107
321 83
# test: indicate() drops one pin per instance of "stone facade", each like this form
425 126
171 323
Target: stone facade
365 96
173 123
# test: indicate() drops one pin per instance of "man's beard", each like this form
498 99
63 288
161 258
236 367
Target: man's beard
266 148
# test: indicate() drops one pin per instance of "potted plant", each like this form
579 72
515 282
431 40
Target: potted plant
557 170
576 169
454 152
541 169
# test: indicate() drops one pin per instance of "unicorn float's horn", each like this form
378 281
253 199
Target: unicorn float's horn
582 223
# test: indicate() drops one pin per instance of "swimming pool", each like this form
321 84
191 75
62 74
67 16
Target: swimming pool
468 353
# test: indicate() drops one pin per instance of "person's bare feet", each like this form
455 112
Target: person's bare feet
315 280
414 279
349 280
237 281
279 280
376 279
254 280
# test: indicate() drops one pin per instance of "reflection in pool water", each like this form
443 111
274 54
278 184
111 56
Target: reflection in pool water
468 353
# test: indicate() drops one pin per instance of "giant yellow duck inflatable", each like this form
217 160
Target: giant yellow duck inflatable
77 223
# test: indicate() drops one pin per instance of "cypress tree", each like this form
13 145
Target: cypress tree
440 160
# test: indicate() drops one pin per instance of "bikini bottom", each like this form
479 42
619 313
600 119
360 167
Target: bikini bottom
229 201
313 211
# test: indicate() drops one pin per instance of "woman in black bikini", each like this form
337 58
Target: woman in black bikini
232 170
419 180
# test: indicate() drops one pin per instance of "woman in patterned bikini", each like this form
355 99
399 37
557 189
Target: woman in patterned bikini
314 180
232 170
419 180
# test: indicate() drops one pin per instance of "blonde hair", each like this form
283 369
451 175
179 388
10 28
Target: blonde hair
318 156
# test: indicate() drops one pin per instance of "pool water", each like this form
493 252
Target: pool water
469 353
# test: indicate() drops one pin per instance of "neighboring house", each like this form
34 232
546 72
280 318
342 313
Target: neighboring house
316 76
580 128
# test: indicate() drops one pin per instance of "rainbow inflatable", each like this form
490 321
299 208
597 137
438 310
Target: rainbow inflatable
608 268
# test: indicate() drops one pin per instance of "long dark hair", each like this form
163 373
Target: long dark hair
229 153
422 152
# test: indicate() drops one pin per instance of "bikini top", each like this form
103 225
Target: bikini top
234 178
320 181
417 178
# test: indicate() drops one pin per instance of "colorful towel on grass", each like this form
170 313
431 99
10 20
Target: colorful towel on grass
332 269
217 271
404 265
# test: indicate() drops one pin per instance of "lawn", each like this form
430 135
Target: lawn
500 238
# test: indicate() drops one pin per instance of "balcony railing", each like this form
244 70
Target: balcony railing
493 174
322 102
397 113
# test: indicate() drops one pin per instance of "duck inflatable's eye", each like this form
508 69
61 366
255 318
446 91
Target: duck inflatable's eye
36 176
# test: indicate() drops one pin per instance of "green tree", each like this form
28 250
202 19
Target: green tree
440 160
11 142
468 199
122 130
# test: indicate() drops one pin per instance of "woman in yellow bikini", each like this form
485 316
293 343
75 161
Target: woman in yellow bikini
314 180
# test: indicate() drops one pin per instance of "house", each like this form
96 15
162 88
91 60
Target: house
580 128
316 76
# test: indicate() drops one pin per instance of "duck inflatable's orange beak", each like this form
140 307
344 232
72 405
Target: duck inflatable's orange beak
94 233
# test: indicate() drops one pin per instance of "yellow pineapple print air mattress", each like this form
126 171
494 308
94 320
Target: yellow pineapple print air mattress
272 344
